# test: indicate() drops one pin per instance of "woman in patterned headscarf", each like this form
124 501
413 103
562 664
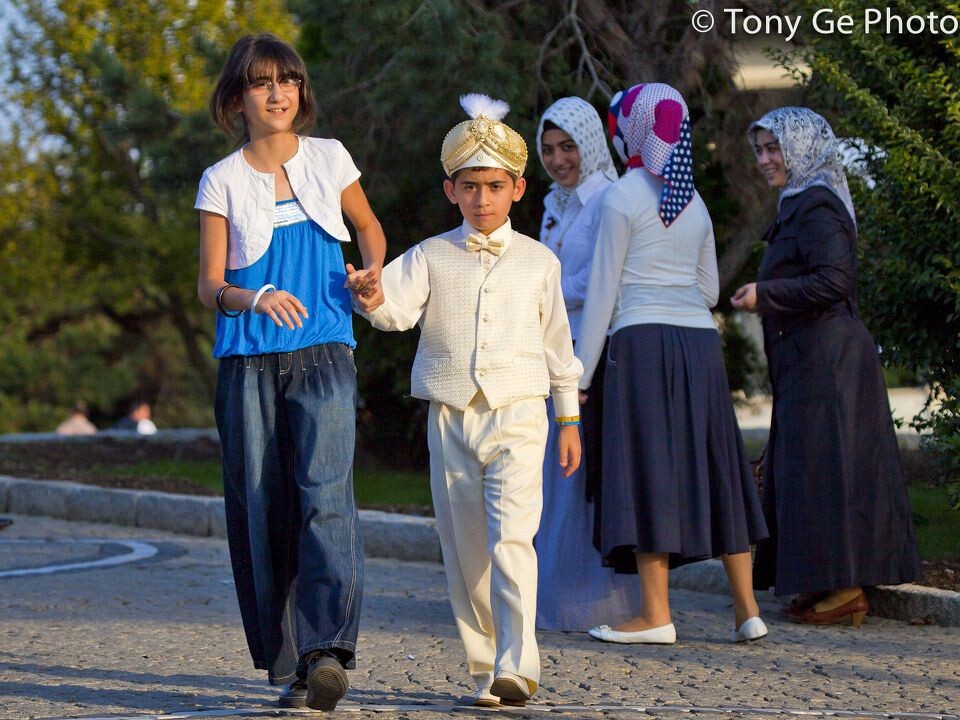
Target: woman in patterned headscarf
834 494
677 485
574 590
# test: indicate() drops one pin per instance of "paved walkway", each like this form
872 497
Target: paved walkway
147 633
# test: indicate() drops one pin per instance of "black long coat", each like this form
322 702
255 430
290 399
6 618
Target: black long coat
834 495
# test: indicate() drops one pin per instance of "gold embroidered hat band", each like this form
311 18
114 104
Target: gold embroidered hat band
484 140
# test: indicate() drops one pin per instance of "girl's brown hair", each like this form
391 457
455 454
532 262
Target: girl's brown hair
252 58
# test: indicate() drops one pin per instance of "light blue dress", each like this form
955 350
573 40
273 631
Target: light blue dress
574 591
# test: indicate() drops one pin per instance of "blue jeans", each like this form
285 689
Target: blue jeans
287 426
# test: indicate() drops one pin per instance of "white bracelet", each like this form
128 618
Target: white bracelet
260 292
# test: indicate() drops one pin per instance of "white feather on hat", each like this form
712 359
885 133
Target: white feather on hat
477 104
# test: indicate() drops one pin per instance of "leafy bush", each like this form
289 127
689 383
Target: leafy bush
899 97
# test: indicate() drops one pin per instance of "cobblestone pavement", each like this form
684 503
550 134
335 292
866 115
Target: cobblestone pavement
161 634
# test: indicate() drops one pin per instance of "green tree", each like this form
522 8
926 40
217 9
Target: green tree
388 76
98 213
899 97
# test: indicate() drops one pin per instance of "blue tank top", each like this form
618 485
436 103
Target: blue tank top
306 261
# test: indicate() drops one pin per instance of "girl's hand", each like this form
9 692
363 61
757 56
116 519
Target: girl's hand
746 298
569 445
365 286
282 307
582 396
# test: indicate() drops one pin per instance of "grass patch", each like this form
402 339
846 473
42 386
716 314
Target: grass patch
378 486
374 487
754 448
201 472
937 527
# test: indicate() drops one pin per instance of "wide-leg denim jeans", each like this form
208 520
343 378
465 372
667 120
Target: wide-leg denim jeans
287 429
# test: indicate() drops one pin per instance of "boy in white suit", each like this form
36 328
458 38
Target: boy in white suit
494 342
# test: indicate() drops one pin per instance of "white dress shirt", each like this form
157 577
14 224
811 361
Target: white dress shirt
644 272
571 233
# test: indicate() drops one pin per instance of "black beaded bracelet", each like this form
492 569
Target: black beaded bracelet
221 309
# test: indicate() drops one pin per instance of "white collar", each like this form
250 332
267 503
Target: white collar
594 183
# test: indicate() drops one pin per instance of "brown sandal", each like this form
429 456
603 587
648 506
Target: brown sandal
854 610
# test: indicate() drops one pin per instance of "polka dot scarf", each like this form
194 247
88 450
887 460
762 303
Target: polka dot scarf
650 128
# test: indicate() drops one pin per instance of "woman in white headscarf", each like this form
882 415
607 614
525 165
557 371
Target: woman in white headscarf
834 495
575 591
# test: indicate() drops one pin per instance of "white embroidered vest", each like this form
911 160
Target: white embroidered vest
482 330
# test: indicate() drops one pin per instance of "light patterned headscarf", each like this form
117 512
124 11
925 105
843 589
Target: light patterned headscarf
811 153
650 128
580 120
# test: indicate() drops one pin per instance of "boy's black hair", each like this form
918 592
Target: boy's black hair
252 58
513 176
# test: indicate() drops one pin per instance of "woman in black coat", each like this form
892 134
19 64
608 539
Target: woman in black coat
834 495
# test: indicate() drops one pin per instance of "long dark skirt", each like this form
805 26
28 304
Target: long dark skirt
676 476
834 494
591 414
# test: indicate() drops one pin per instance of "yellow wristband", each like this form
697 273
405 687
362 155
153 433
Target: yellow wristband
569 420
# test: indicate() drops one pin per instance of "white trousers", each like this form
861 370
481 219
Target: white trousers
486 476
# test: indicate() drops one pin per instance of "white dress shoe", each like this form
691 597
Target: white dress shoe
481 698
663 635
510 686
752 629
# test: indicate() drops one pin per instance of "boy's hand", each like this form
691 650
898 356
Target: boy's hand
365 286
569 444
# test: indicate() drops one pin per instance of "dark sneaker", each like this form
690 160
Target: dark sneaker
294 695
326 683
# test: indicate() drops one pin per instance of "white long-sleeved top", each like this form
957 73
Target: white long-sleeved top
571 234
644 272
491 323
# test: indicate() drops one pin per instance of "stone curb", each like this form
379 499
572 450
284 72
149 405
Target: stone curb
390 535
908 602
404 537
163 436
906 440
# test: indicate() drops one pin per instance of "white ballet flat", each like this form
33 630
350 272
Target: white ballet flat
481 698
752 629
510 686
663 635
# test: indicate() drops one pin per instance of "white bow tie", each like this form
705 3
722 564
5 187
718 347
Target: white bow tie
476 243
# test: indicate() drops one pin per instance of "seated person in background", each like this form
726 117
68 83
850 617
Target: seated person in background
77 422
137 420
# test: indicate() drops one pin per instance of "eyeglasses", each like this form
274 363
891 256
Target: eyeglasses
265 87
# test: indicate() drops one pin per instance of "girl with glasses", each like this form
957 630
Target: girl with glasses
271 228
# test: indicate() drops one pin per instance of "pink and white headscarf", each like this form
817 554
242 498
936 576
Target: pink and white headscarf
650 128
